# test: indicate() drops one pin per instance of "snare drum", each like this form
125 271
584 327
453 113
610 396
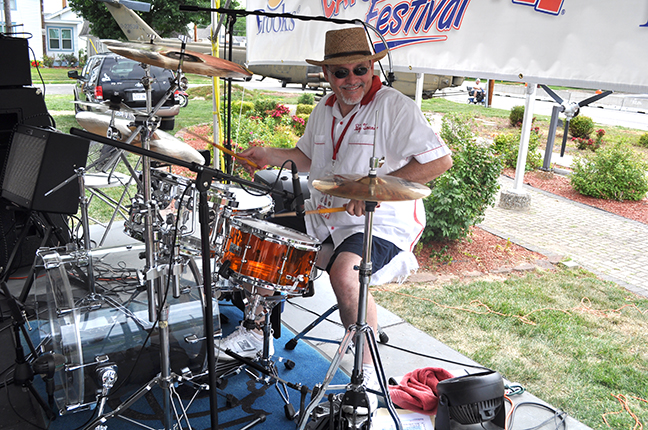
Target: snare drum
96 330
269 256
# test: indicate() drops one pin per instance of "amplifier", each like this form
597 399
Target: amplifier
39 160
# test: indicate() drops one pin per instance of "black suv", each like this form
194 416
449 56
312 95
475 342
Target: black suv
108 73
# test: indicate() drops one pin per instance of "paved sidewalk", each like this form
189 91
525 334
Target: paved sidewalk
609 245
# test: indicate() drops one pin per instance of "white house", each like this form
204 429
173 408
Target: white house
51 26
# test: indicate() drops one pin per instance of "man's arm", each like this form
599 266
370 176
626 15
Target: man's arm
424 173
266 156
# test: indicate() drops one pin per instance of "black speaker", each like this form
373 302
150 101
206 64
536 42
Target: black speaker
14 70
39 160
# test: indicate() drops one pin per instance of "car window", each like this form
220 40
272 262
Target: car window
92 66
122 69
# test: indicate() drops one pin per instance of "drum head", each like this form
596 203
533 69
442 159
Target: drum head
249 204
111 325
270 231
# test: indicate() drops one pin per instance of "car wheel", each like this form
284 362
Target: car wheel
167 124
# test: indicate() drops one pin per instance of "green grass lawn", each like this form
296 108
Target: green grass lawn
568 337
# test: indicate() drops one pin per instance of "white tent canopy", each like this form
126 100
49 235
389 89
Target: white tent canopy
581 43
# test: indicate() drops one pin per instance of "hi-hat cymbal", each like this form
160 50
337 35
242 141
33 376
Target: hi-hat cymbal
372 189
168 58
107 106
161 142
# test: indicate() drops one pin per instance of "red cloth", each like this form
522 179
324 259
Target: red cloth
418 390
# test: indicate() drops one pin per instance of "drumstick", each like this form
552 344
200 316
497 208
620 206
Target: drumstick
222 148
316 211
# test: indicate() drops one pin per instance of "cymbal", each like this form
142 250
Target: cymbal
372 189
161 142
107 106
168 58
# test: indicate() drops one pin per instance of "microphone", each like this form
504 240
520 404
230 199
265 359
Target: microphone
299 196
48 363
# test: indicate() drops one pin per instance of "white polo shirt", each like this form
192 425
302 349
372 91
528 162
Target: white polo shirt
402 133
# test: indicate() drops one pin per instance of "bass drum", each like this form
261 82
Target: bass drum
111 326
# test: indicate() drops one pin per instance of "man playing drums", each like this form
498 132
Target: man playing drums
339 139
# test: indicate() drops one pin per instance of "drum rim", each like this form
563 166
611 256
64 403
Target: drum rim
312 242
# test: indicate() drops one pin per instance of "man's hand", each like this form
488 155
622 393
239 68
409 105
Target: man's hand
254 154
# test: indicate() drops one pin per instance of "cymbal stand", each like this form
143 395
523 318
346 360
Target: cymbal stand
356 395
158 307
85 224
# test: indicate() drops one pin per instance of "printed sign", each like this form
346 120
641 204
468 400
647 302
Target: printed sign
583 43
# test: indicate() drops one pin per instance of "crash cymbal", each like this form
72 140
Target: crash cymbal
107 106
161 142
168 58
372 189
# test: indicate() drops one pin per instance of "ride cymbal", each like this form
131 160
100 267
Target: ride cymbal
372 189
168 58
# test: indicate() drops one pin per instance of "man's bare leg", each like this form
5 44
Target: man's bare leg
345 281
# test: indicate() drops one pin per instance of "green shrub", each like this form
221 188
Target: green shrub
460 196
68 60
643 140
242 107
516 116
83 58
48 61
613 172
261 106
581 126
299 122
304 109
507 145
306 99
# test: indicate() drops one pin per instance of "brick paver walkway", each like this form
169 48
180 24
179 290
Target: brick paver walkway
611 246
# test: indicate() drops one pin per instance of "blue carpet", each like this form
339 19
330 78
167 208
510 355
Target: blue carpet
251 399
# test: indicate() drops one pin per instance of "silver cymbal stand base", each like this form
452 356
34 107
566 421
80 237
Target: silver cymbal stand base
356 393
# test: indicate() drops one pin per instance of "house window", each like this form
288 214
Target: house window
59 38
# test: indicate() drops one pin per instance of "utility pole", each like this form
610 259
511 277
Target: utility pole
7 16
43 35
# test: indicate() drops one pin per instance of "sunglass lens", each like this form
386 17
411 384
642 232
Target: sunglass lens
341 73
360 71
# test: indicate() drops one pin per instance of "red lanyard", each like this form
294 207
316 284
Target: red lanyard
336 146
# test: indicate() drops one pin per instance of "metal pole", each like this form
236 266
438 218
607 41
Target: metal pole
524 137
553 126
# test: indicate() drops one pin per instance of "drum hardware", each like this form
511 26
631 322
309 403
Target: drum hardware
264 364
203 180
371 189
23 372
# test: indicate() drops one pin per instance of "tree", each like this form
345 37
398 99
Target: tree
165 17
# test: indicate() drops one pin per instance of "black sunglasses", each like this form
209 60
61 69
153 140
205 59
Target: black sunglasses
343 73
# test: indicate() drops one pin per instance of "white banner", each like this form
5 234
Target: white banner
597 44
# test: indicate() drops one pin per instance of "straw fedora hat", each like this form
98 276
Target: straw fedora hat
347 46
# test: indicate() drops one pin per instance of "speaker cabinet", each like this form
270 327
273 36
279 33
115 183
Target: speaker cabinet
39 160
14 70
